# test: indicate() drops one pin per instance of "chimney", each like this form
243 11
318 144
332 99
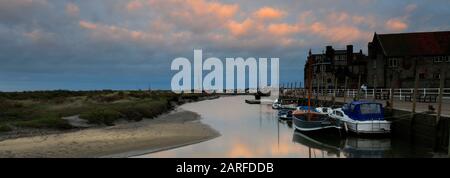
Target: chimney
349 49
329 53
349 54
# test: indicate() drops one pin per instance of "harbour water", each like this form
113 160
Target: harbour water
255 131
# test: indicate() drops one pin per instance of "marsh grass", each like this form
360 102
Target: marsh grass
5 128
45 109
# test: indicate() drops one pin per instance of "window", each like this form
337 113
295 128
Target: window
447 59
319 59
341 57
339 113
370 109
393 62
439 59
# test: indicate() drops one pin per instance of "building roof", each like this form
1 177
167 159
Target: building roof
415 44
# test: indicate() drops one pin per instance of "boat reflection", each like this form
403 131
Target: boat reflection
349 146
366 147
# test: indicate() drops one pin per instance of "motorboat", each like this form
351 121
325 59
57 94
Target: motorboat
362 117
276 104
324 110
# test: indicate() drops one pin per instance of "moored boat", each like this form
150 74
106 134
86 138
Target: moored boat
311 121
362 117
253 101
276 104
285 114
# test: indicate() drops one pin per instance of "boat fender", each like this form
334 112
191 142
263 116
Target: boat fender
345 126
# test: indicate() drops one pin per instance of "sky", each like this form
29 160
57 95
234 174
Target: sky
130 44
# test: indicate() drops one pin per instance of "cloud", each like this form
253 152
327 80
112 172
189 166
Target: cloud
138 37
197 16
134 5
399 24
283 29
396 25
269 13
87 25
239 29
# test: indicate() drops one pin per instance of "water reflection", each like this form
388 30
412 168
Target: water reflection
348 146
255 131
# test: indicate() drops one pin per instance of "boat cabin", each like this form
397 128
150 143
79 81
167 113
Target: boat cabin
364 110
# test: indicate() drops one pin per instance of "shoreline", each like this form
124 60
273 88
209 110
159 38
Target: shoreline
122 140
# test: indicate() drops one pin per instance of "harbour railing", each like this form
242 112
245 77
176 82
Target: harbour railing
403 94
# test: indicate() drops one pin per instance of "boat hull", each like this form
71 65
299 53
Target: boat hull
253 101
368 127
302 123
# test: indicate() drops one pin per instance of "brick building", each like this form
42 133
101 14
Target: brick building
336 64
394 59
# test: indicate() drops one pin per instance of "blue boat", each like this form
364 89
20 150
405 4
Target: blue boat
362 117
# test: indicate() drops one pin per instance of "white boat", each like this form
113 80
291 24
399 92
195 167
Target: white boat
362 117
276 104
324 110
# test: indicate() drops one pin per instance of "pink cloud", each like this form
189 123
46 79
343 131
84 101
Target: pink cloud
87 25
396 25
201 7
239 29
343 34
197 16
283 29
269 13
134 5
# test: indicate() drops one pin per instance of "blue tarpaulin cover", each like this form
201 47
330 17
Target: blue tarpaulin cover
364 110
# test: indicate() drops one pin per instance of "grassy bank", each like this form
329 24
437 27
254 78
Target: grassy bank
45 109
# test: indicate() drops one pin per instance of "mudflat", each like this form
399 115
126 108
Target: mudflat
175 129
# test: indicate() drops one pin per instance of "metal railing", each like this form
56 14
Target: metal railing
379 93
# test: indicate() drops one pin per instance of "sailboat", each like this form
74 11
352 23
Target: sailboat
309 118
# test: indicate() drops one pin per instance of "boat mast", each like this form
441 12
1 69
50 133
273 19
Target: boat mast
310 83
